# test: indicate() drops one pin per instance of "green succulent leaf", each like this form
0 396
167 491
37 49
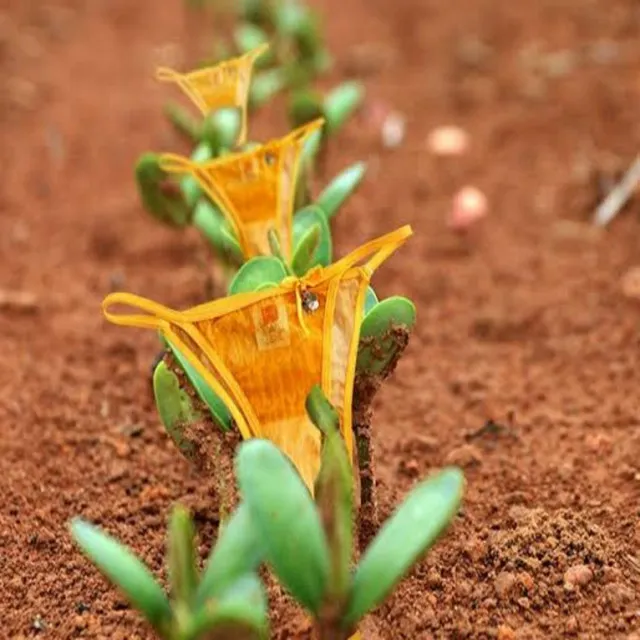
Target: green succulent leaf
221 128
333 493
239 613
341 188
210 221
403 539
290 16
219 411
378 345
248 37
305 219
370 300
265 85
181 554
310 148
238 551
174 406
126 571
183 122
305 249
286 520
256 272
341 103
305 106
160 196
189 185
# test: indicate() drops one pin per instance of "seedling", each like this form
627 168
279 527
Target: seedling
383 337
309 545
226 600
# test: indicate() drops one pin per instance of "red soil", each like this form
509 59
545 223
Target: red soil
523 324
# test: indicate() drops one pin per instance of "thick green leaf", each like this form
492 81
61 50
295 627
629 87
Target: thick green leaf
341 188
183 121
304 106
240 613
303 220
160 196
126 571
290 16
333 494
256 272
237 552
174 406
220 129
370 300
265 85
189 185
210 221
341 103
248 37
286 520
403 539
378 345
310 148
219 411
181 555
305 249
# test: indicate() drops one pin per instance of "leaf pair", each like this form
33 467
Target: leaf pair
309 546
225 601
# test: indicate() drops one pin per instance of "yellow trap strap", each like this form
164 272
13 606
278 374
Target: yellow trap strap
208 174
231 78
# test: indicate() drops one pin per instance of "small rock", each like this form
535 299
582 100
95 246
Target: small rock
448 141
410 468
467 455
579 575
469 205
506 633
572 626
393 130
631 283
526 581
18 301
475 549
39 624
504 583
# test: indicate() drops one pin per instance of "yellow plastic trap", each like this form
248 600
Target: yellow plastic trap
262 352
255 189
223 85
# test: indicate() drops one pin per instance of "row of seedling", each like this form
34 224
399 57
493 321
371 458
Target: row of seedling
288 359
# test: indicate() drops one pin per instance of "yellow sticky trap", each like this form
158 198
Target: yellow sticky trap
254 189
224 85
262 352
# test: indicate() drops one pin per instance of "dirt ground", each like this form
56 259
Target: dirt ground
523 328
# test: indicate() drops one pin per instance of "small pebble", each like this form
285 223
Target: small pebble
579 575
504 583
631 283
572 626
469 206
393 130
465 456
448 141
18 301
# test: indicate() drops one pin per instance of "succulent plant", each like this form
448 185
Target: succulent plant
309 545
226 600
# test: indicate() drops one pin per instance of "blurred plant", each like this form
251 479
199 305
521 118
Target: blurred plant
309 546
181 203
225 601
